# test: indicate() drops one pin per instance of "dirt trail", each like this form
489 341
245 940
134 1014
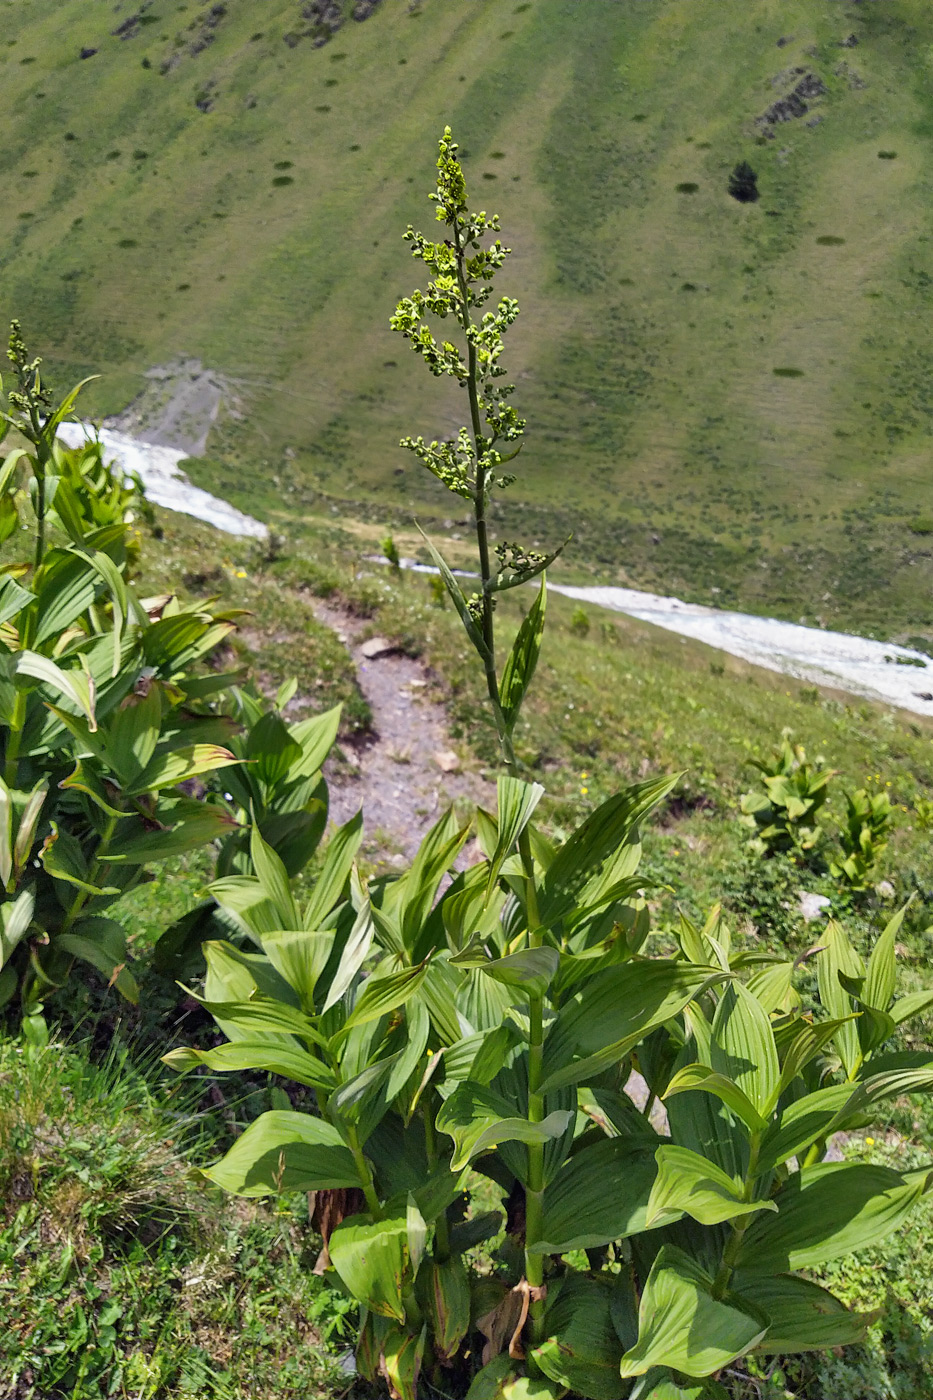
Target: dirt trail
399 776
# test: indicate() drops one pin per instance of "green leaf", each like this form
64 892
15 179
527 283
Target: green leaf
355 952
621 1005
260 1014
102 943
806 1045
273 1056
134 732
273 877
168 769
380 995
316 737
65 587
444 1294
881 975
207 824
271 749
335 871
582 856
516 804
805 1317
743 1048
681 1324
582 1350
371 1258
531 970
600 1194
285 1151
709 1082
300 958
401 1355
478 1119
75 686
522 660
13 598
828 1210
838 956
802 1123
689 1184
913 1004
15 921
459 602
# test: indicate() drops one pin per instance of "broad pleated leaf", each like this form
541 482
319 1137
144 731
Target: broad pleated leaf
582 1350
275 1057
743 1048
829 1210
285 1151
371 1258
803 1122
599 837
380 995
600 1194
168 769
709 1082
838 956
478 1119
681 1325
335 871
805 1317
692 1185
515 807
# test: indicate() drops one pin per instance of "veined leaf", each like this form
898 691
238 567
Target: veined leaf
371 1258
600 1194
881 974
273 878
380 995
583 1350
168 769
599 837
531 969
743 1048
707 1080
836 957
76 686
338 862
681 1324
478 1119
803 1122
621 1005
285 1151
689 1184
516 804
805 1317
316 737
829 1210
522 659
273 1056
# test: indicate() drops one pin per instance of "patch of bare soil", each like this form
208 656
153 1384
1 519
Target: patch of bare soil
405 771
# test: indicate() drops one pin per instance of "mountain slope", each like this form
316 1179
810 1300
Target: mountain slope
711 387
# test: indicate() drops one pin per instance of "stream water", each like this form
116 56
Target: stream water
896 675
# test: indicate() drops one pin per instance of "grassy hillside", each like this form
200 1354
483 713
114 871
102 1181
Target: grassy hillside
720 395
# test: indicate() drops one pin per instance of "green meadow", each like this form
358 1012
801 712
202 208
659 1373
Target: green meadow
720 395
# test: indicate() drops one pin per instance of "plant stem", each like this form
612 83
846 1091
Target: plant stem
15 739
364 1171
534 1194
731 1252
441 1224
479 503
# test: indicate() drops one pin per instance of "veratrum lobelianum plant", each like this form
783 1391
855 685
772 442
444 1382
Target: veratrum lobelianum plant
491 1028
784 816
469 464
102 714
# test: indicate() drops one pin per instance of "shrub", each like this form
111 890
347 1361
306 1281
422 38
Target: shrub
783 816
743 183
101 714
869 818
